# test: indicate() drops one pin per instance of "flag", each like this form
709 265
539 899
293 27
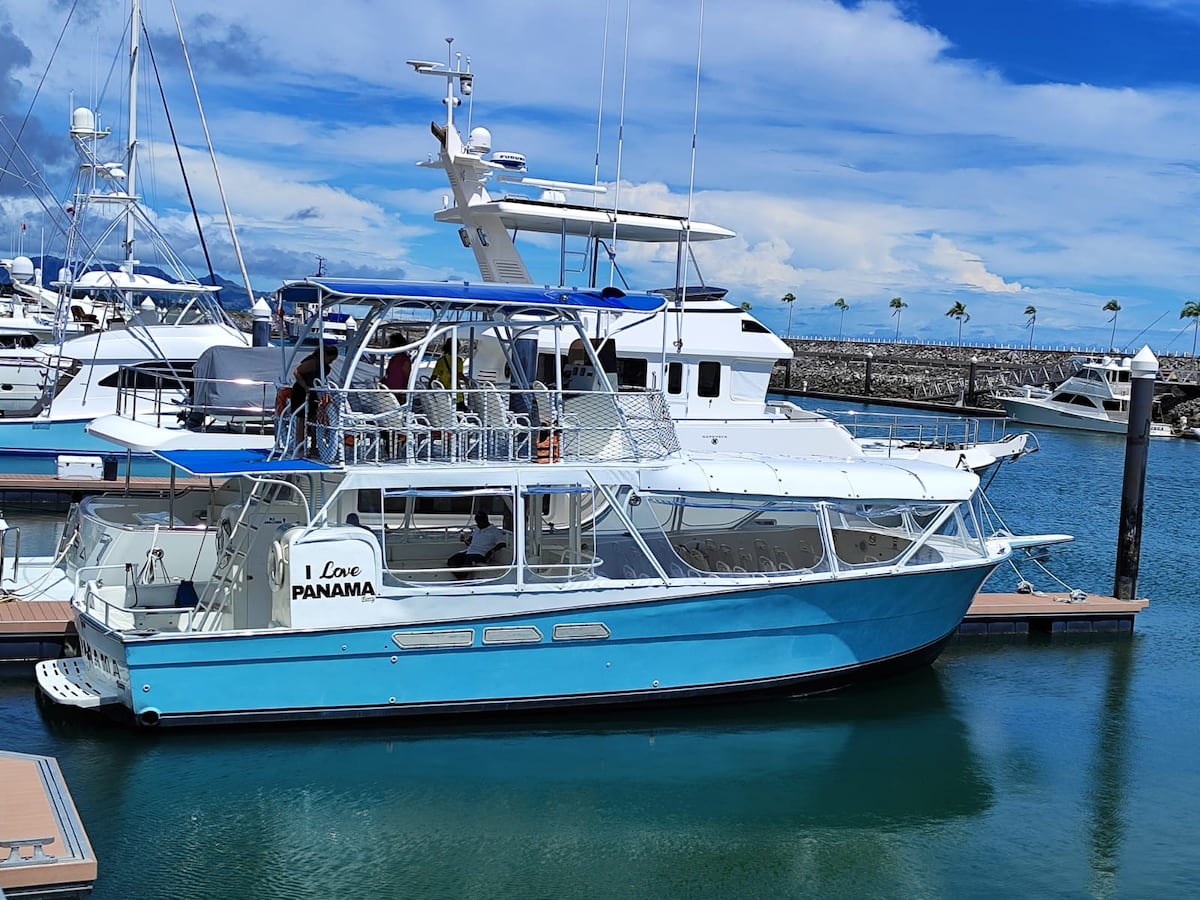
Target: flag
22 228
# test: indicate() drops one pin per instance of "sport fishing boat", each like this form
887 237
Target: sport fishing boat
1095 398
720 357
110 317
624 570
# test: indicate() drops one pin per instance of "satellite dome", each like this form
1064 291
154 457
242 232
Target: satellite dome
479 140
22 270
83 121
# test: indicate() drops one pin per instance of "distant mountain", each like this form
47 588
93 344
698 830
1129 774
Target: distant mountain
232 295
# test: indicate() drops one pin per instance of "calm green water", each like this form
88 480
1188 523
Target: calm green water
1051 767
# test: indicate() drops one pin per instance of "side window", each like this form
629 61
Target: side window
675 378
631 372
709 380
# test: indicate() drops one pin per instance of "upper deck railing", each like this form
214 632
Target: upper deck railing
478 424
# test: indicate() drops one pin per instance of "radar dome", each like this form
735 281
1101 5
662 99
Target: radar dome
479 140
83 121
510 160
22 270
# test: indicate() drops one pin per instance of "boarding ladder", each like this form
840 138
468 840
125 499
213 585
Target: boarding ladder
231 564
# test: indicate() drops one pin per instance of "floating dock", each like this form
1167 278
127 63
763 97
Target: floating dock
44 850
34 629
41 484
1051 612
38 629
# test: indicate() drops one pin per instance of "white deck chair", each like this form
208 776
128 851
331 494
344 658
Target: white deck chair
455 434
506 433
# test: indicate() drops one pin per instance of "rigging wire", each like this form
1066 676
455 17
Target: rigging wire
37 91
600 105
687 225
237 248
612 251
187 184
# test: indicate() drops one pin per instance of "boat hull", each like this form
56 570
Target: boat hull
32 447
798 638
1034 412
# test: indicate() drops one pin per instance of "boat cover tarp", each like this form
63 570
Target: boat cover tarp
235 382
226 463
312 290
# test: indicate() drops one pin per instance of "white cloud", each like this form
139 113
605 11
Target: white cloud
850 150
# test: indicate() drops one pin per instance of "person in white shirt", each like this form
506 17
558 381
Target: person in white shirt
481 541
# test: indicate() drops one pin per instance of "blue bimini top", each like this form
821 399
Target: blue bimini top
466 293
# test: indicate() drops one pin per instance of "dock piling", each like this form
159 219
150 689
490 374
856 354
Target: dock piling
1133 487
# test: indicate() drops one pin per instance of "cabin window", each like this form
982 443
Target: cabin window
752 326
420 531
675 378
560 542
152 375
709 381
631 372
735 537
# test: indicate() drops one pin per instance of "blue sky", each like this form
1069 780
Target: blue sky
999 154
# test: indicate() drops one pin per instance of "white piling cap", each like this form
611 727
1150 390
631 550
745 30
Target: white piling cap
261 309
1145 364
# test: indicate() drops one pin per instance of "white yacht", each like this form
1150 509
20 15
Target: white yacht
719 357
1095 398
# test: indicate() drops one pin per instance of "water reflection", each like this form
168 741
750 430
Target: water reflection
539 805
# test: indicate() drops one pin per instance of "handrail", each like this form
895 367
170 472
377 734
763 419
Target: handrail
16 550
371 425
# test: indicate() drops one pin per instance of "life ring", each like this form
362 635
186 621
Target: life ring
276 565
224 530
323 409
283 400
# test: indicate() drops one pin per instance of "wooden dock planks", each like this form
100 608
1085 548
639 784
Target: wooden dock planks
52 483
1052 611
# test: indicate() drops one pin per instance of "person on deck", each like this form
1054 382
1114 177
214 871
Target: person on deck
441 374
399 370
481 541
312 368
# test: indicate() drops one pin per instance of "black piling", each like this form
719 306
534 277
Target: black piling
1133 486
867 376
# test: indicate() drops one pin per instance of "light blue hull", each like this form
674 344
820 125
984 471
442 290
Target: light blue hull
796 638
33 447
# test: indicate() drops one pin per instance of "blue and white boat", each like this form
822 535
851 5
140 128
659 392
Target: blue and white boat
629 571
109 316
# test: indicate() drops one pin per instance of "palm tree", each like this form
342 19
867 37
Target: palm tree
1191 310
896 305
746 306
789 298
959 312
1113 307
841 306
1031 311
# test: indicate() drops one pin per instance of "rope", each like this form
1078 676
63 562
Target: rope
38 585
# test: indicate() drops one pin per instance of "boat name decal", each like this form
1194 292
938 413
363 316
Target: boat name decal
346 586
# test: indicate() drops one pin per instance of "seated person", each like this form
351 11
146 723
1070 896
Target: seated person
481 541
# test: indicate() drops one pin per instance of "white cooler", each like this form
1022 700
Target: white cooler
89 467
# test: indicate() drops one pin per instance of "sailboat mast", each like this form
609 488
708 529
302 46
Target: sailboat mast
135 22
